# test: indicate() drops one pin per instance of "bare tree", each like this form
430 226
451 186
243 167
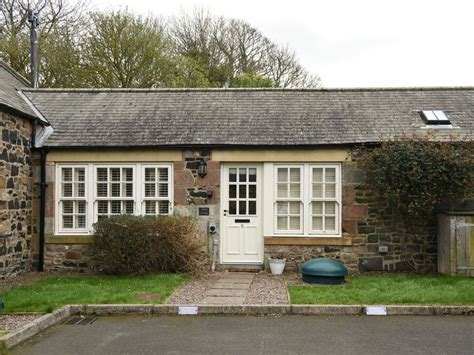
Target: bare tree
14 38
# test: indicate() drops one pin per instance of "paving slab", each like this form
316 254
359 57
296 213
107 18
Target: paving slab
234 286
224 300
227 292
238 275
234 281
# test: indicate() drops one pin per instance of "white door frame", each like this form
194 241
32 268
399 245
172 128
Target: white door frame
250 232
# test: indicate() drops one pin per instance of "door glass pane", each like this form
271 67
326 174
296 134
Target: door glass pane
242 191
232 191
232 174
242 175
242 207
252 191
232 207
252 174
252 207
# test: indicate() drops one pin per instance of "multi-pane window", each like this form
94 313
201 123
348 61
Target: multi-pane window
114 191
156 194
72 203
307 199
288 199
242 191
324 202
89 192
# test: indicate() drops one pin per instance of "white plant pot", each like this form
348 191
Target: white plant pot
277 266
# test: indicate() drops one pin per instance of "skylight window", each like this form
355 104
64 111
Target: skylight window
435 117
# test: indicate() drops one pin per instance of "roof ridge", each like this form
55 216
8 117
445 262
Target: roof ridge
13 72
355 89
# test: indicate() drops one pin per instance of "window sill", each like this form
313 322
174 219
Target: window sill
336 240
68 239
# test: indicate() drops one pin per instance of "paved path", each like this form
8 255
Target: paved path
230 288
234 288
259 335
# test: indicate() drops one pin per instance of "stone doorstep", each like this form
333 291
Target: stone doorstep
231 286
36 326
226 292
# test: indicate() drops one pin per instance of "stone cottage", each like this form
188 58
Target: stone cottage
265 171
273 171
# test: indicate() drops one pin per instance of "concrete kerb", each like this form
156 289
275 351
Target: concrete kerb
61 314
34 327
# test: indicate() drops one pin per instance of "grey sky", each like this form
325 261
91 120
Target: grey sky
355 42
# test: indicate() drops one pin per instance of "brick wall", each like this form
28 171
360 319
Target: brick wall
16 188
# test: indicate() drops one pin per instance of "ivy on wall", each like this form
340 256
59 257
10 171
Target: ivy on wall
414 174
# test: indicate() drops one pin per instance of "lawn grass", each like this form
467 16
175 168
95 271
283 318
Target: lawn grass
389 289
53 292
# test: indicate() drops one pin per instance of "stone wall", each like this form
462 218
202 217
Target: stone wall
379 241
67 257
193 192
16 186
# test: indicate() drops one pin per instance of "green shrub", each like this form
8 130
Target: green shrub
415 174
127 245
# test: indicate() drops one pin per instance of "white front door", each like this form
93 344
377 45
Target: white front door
241 213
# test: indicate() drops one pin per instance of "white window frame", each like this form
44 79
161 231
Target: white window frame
91 192
59 199
306 200
336 199
169 198
277 199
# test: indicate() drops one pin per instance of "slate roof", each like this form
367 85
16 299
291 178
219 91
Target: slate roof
243 117
10 82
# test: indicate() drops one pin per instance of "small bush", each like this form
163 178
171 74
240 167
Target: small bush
127 245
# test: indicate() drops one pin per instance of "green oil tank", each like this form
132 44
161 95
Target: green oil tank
323 271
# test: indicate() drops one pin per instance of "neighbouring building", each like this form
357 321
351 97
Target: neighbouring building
274 171
16 175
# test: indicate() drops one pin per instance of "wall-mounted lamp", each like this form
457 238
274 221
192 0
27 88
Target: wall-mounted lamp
202 168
